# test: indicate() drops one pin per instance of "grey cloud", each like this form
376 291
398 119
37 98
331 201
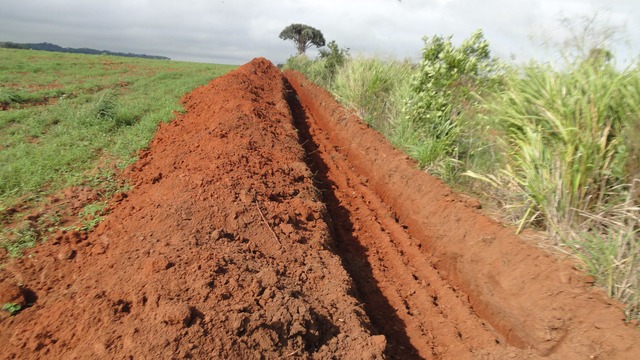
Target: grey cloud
234 31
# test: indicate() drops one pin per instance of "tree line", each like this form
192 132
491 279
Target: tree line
45 46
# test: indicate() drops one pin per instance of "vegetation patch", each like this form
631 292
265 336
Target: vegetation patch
11 308
64 114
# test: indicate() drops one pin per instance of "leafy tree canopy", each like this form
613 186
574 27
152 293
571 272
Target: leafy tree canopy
303 37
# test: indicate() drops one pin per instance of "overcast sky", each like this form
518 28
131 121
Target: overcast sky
235 31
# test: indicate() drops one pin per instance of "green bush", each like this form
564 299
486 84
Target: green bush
334 58
323 69
438 115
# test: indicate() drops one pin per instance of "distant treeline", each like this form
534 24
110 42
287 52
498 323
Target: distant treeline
52 47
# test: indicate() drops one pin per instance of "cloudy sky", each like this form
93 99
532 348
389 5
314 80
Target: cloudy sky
235 31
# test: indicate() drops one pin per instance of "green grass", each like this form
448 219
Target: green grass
65 114
374 88
569 144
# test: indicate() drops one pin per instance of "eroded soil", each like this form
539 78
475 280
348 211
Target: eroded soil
268 222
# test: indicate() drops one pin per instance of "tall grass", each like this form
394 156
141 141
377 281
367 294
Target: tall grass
376 89
569 140
561 131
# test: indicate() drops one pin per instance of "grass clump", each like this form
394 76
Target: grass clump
569 161
23 238
374 88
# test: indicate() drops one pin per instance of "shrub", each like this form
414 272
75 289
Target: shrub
334 58
440 106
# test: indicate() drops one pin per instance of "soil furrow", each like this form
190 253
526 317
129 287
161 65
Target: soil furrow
405 297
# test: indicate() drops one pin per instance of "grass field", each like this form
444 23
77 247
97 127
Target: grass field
64 115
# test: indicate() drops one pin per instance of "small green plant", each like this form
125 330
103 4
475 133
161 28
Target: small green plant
16 241
11 308
91 215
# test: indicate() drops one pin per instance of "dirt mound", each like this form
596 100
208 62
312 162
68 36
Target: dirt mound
219 251
267 222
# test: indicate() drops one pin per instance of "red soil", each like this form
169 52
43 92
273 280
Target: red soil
268 222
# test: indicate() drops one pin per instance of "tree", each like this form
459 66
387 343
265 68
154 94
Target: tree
303 37
590 38
334 57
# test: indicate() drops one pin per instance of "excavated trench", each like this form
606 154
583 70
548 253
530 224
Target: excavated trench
396 282
269 222
438 278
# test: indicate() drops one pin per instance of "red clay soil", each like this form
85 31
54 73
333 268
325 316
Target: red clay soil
220 250
268 222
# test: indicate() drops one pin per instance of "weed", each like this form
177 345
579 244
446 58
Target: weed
91 215
16 241
11 308
106 107
8 96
